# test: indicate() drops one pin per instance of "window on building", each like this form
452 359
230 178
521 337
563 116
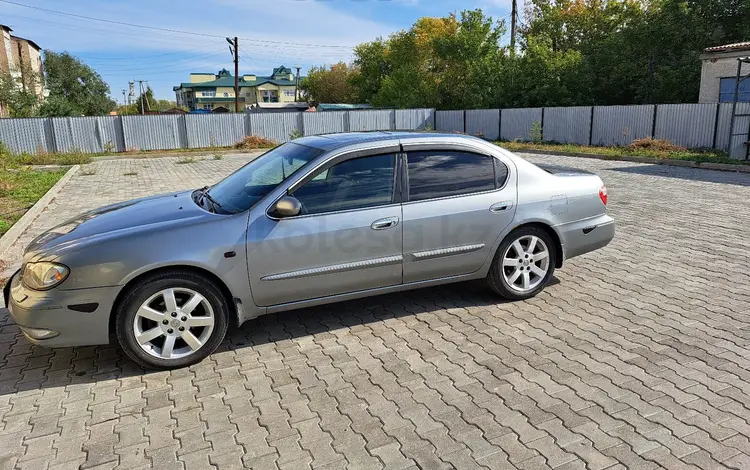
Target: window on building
437 173
726 90
226 95
289 93
208 106
352 184
209 94
270 96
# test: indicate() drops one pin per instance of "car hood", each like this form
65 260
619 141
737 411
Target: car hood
151 213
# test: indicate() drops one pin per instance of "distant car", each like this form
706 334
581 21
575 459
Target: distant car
316 220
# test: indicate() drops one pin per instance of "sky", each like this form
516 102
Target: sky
293 33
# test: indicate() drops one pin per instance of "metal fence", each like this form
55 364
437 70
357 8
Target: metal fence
689 125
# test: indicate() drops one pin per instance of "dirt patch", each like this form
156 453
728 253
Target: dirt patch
254 142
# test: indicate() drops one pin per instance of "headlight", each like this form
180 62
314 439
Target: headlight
44 275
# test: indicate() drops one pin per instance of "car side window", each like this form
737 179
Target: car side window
442 173
352 184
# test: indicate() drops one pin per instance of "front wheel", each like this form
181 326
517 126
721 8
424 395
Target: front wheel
172 320
524 264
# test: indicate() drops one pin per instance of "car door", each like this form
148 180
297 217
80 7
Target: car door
347 238
457 203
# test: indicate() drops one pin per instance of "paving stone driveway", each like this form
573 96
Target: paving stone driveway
638 356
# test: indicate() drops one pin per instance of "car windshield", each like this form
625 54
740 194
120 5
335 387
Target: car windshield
245 187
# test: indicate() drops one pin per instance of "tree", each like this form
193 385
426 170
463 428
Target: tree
74 87
331 85
449 62
17 99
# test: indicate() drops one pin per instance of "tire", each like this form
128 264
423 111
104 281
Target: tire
502 272
199 308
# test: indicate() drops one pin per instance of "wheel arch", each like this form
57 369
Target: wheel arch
233 317
559 251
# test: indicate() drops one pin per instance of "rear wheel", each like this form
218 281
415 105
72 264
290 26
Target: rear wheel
524 264
172 320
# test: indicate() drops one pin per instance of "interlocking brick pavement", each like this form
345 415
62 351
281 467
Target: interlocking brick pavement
637 356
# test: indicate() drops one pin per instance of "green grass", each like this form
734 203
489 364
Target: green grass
14 160
20 188
703 156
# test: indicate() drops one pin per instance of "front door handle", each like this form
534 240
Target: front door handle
501 206
382 224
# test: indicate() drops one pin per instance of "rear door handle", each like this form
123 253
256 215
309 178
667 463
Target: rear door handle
382 224
501 206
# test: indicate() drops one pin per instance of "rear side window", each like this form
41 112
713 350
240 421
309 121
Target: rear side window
437 173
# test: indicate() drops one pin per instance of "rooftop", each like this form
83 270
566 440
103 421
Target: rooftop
737 46
226 79
33 44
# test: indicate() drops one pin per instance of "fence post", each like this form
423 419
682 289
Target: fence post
500 124
464 121
653 124
591 127
542 125
716 124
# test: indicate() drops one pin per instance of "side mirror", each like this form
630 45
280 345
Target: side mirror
287 206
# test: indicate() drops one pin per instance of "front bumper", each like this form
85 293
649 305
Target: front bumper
61 318
586 235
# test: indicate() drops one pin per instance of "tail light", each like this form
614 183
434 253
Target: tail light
603 194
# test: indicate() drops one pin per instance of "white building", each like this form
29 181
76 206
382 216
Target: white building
719 73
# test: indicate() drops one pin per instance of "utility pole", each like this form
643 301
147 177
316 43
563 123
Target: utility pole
124 102
131 92
142 97
296 84
513 15
234 48
650 78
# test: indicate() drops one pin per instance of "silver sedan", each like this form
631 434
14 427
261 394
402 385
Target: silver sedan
316 220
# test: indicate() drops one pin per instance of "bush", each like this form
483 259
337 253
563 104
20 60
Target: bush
659 145
252 142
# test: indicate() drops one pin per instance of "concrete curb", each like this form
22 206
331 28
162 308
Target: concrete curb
739 168
12 235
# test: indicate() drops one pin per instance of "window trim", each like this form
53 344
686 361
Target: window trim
397 191
407 196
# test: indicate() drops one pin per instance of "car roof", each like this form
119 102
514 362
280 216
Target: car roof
334 141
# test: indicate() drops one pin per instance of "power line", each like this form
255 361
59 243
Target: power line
145 67
168 30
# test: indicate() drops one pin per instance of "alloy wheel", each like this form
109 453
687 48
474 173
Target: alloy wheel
525 263
173 323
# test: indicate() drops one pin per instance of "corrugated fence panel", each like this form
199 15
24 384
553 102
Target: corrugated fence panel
571 125
415 119
214 130
516 123
688 125
276 126
375 120
741 126
484 123
89 134
325 122
27 135
164 132
620 125
449 121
